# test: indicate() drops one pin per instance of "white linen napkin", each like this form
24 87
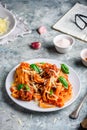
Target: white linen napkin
67 23
21 29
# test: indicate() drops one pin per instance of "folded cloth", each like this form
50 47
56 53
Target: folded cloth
21 29
67 23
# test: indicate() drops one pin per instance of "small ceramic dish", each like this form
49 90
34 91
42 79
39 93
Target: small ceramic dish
84 56
63 43
6 14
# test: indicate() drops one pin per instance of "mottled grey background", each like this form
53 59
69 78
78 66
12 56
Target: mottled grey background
37 13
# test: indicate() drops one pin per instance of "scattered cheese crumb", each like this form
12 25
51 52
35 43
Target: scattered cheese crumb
19 121
55 120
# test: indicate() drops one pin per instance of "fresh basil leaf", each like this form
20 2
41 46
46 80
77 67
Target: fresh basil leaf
65 68
42 62
51 92
27 87
63 81
35 67
20 86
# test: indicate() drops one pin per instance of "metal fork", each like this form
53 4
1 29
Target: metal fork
75 113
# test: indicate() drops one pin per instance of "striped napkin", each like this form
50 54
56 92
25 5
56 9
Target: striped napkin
21 29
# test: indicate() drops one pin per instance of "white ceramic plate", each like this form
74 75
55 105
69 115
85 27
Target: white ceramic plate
32 105
4 13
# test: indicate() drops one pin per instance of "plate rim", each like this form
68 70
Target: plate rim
42 109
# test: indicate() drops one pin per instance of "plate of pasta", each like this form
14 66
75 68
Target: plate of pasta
43 85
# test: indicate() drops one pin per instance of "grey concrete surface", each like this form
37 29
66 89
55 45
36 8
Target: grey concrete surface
37 13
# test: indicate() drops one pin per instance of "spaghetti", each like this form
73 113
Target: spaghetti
42 82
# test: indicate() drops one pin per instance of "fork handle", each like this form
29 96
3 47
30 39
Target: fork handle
75 113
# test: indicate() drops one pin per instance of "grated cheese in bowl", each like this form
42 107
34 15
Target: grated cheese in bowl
3 25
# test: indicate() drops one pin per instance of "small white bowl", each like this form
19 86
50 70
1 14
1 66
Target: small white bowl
5 13
84 56
63 43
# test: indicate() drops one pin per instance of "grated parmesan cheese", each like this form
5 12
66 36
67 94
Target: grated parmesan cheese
3 25
19 121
